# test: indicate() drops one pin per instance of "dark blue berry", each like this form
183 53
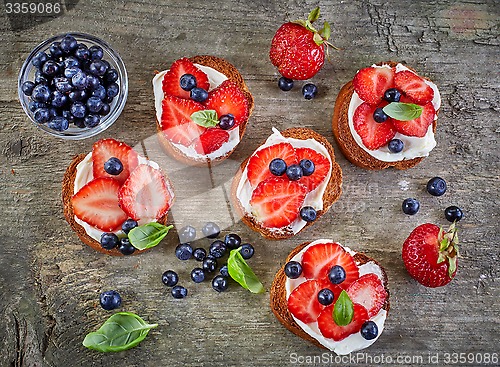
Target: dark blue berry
199 254
105 109
187 82
129 225
197 275
392 95
211 230
224 271
109 241
436 186
410 206
39 59
93 81
41 115
79 80
41 93
395 146
307 167
220 283
63 84
112 90
247 251
59 99
293 269
379 115
92 120
453 213
99 92
179 292
111 76
285 84
170 278
277 167
53 112
325 297
294 172
187 234
58 123
68 116
69 72
107 99
308 213
79 123
369 330
199 94
232 241
78 109
96 52
33 106
110 300
41 78
126 247
55 50
209 264
184 251
94 104
27 88
217 249
226 122
114 167
68 44
336 275
82 52
98 68
309 91
71 62
78 95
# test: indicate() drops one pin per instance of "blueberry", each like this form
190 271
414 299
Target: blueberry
71 62
63 85
369 330
220 283
199 94
27 88
379 115
41 93
107 64
98 68
392 95
325 297
277 167
94 104
39 59
55 50
41 78
69 72
112 90
187 82
129 225
110 300
453 213
53 112
308 213
68 44
336 274
226 122
395 146
93 81
307 167
111 76
79 80
436 186
247 251
107 99
41 115
96 52
59 99
92 120
105 109
50 68
410 206
224 271
197 275
184 251
232 241
294 172
109 241
79 123
78 95
199 254
209 264
170 278
293 269
33 106
126 247
58 123
217 249
78 109
211 230
285 84
82 52
114 167
309 91
68 116
179 292
99 92
187 234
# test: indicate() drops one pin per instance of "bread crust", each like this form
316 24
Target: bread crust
230 71
279 304
68 185
351 150
332 191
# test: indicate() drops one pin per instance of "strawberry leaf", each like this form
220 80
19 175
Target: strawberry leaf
343 311
313 15
403 111
326 31
318 39
205 118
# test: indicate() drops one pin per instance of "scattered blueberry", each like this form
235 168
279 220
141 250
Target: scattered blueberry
217 249
68 44
113 90
307 167
369 330
197 275
187 234
126 247
395 145
41 93
336 275
285 84
277 167
92 120
79 80
199 94
96 52
110 300
392 95
209 264
294 172
199 254
379 115
170 278
247 251
453 213
184 251
293 269
58 123
325 297
27 88
129 224
78 110
55 50
211 230
59 99
41 115
308 213
232 241
179 292
187 82
39 59
309 91
226 122
436 186
410 206
220 283
109 241
224 271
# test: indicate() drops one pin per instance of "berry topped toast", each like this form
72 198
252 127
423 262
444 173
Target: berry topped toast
386 117
111 190
202 109
287 184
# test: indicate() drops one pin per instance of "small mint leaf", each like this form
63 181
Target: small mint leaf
242 273
148 235
326 31
205 118
343 311
318 39
403 111
313 15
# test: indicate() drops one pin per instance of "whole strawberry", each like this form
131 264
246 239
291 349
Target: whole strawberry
298 49
430 255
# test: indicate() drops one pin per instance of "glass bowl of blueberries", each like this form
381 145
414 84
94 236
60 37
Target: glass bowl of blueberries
73 86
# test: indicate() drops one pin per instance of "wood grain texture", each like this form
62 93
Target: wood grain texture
50 281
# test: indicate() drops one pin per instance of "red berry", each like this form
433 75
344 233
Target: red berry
171 80
303 301
419 126
226 99
373 134
369 292
321 167
105 149
414 87
211 140
372 82
329 329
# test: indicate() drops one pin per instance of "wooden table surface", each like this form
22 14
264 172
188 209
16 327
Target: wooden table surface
50 281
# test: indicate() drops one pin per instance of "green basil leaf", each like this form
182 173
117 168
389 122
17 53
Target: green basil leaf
147 235
239 270
313 15
122 331
205 118
403 111
343 311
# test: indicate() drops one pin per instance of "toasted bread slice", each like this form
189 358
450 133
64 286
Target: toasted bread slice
351 150
331 194
232 74
68 191
279 303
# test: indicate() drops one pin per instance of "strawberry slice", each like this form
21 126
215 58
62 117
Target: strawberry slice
369 292
176 121
171 80
276 202
320 258
258 164
211 140
372 82
104 149
373 134
96 203
420 125
303 301
414 87
145 195
228 98
330 329
321 167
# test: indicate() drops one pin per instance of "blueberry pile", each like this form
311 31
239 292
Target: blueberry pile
73 84
309 90
110 241
209 259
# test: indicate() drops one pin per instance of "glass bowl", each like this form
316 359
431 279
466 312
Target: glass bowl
116 106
